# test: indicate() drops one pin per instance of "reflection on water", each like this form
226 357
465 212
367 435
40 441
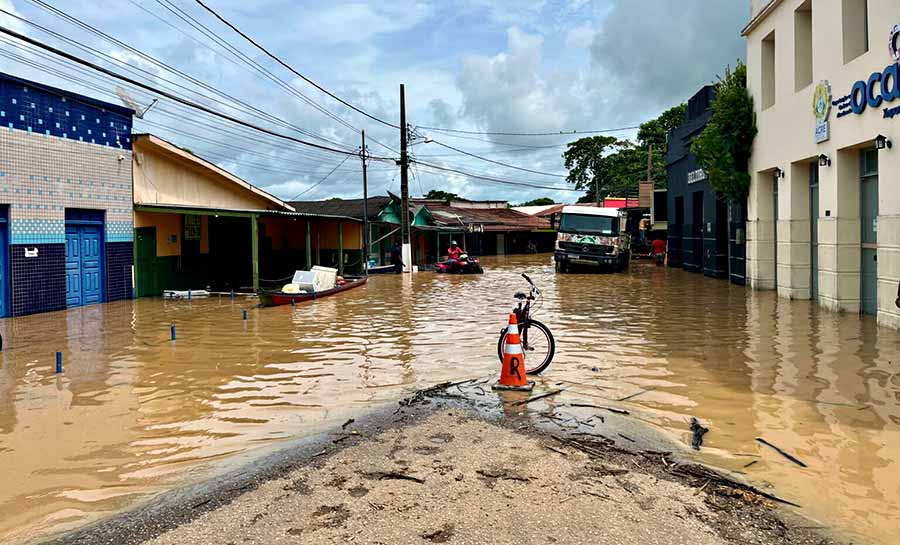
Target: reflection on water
135 414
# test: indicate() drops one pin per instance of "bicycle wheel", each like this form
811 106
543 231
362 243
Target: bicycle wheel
538 345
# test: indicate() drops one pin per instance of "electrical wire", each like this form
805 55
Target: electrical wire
291 69
560 133
506 165
494 179
170 96
310 188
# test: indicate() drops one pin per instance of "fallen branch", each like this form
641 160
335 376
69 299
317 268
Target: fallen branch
623 436
626 398
779 451
347 423
391 475
610 409
537 397
710 476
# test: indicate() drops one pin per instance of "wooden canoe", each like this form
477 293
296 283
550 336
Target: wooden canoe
273 298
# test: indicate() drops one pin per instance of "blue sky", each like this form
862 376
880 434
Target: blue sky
479 65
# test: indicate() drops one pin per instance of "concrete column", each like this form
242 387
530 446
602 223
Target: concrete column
888 235
793 233
761 232
839 238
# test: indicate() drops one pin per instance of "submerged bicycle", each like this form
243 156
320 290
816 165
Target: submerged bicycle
537 340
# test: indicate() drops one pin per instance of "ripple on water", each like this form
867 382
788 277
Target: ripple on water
134 413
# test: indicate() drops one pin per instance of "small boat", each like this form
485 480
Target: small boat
382 269
274 298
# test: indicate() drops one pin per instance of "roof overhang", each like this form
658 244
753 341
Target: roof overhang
763 13
199 162
235 212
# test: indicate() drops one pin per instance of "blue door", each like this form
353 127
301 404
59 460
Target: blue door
4 278
84 265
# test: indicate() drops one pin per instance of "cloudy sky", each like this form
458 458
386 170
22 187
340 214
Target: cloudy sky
486 66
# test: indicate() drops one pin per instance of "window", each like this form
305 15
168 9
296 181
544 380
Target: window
768 70
803 69
855 19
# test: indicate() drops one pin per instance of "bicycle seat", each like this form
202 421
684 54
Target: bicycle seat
520 295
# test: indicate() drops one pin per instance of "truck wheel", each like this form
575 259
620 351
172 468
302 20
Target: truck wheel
562 267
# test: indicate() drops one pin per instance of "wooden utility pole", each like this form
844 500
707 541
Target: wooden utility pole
650 182
365 237
406 247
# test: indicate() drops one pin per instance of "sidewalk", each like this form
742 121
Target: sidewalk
449 471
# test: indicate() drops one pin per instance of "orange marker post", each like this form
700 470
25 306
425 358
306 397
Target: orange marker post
512 375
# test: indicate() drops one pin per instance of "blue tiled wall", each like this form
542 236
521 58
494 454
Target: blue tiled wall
119 259
44 110
38 283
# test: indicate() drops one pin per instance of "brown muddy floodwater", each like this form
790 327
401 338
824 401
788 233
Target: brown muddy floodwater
134 414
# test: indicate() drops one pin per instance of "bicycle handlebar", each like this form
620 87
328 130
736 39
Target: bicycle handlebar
525 276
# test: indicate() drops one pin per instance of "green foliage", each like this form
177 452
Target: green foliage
723 148
625 162
437 194
543 201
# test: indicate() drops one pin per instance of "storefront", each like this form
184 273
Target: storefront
65 199
704 228
824 210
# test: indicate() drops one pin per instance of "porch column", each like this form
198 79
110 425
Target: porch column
308 245
254 250
341 248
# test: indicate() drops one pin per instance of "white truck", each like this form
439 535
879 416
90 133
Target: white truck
592 236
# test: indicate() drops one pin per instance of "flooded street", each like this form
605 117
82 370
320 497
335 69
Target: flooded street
134 413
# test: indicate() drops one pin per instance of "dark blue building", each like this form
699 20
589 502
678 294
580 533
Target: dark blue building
66 221
705 230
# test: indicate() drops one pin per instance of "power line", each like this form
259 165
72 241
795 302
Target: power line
291 69
165 94
506 165
496 180
310 188
560 133
144 73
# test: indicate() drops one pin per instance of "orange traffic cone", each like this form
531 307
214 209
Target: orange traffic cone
512 376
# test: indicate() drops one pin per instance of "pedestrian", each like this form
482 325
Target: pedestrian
897 300
659 250
397 258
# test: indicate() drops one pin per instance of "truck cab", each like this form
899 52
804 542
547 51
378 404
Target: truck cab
594 237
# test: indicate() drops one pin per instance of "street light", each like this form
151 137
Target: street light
824 161
779 173
881 142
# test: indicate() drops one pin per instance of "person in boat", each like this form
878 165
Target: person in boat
396 258
453 253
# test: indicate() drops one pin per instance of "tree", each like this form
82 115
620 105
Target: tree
723 148
439 195
585 163
625 162
543 201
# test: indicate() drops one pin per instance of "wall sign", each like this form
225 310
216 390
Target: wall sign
695 176
879 88
821 109
31 252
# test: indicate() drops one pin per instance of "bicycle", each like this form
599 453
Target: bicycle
536 338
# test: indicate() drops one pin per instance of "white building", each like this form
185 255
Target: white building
824 204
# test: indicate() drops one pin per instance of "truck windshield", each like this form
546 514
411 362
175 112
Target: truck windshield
598 225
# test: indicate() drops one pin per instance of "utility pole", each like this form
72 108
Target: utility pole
652 185
597 189
406 247
365 237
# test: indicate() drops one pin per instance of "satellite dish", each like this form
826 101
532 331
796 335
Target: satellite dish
129 101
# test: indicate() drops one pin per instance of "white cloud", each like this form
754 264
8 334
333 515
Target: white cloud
581 36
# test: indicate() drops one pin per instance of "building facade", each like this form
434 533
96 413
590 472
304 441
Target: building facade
823 210
65 199
705 230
